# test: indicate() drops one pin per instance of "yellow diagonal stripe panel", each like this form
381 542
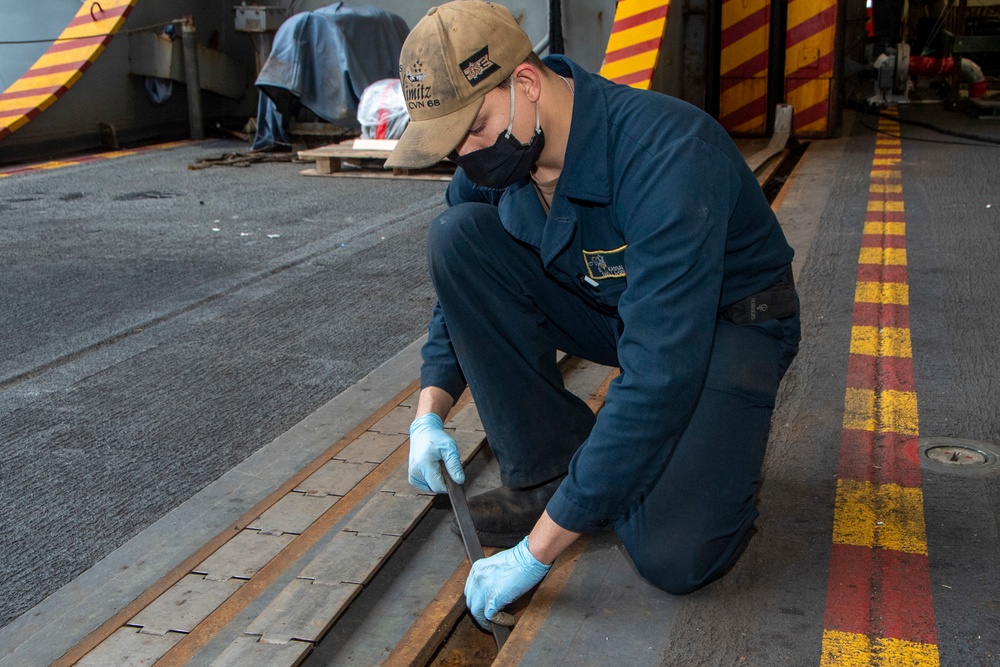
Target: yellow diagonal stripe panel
892 256
847 649
637 35
884 342
803 11
887 293
637 63
628 8
884 516
737 52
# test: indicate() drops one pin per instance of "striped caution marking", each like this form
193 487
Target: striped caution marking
743 66
63 63
809 63
634 46
111 155
879 609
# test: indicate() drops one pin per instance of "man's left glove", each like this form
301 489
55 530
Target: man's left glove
497 581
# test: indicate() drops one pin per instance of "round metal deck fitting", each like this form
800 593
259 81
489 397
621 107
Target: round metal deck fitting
958 455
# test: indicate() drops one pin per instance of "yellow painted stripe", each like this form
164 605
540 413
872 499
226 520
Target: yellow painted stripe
886 228
859 409
882 516
885 187
744 48
886 162
734 11
743 92
636 63
803 11
885 342
627 8
636 35
887 293
887 411
883 256
47 81
882 205
847 649
23 102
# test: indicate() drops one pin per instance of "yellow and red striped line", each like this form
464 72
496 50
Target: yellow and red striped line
810 37
634 46
879 610
57 164
63 63
743 66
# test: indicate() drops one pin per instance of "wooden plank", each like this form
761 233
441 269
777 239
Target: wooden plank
350 558
396 422
184 605
414 176
336 477
389 514
242 556
251 651
372 447
466 419
127 647
293 513
303 610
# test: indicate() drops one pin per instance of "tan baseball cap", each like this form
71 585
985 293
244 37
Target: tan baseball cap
455 54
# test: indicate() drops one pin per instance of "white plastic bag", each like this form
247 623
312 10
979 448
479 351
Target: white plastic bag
382 110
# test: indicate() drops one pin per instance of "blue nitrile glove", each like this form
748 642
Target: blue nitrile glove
497 581
428 445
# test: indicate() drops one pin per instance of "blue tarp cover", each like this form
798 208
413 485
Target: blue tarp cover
324 60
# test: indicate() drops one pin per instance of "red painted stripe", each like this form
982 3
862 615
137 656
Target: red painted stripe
880 373
746 113
848 593
885 216
906 609
811 26
880 592
81 42
14 113
86 19
633 50
746 25
881 315
746 69
879 458
634 77
878 273
55 69
47 90
816 112
639 19
803 75
883 241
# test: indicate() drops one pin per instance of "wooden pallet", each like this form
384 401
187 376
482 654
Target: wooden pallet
365 158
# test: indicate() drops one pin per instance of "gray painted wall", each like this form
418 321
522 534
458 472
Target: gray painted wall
107 93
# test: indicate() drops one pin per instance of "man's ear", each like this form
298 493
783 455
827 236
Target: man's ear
529 79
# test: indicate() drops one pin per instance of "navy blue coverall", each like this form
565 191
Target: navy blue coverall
656 224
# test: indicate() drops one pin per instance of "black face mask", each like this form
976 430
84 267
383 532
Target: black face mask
507 161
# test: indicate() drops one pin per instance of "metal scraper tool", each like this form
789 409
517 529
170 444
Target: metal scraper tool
471 540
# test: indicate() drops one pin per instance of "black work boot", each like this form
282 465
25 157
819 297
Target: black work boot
503 516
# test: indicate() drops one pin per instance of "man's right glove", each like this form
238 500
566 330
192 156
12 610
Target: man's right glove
428 445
